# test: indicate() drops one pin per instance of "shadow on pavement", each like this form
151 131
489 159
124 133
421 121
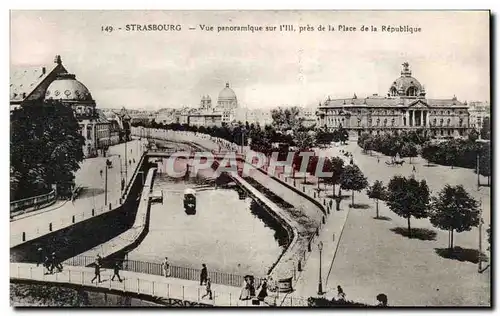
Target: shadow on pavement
416 233
461 254
86 192
383 218
359 206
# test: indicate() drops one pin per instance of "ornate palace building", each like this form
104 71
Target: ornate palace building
405 107
29 85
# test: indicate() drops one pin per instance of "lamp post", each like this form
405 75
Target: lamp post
320 283
106 182
479 141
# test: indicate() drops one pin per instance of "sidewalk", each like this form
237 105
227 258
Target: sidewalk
92 196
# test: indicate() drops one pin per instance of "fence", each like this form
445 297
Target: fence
22 206
35 232
153 268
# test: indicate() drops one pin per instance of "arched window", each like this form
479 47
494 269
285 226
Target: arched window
434 122
412 91
442 120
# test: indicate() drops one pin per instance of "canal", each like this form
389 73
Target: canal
229 232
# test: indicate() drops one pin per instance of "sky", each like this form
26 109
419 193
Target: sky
153 70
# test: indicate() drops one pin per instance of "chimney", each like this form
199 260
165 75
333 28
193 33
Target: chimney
57 59
44 70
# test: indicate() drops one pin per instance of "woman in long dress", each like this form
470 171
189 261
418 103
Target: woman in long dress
263 290
245 291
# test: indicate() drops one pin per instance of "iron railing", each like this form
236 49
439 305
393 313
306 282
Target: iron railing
22 206
153 268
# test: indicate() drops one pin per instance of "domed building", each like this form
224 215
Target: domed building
71 92
227 103
405 107
30 85
227 98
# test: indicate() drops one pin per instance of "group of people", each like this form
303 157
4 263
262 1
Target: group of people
248 289
204 279
97 270
49 261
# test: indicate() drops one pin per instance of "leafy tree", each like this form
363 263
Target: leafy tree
409 150
343 135
486 128
408 198
454 210
336 166
378 192
473 135
45 148
429 152
286 118
304 141
485 161
353 179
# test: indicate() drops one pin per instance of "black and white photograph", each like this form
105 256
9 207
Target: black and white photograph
250 159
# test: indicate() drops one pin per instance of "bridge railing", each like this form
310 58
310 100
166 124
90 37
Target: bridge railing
25 205
154 268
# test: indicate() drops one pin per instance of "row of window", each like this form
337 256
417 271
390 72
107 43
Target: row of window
393 112
393 121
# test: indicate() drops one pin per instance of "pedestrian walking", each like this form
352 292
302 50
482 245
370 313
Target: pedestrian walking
378 159
56 264
165 265
209 289
100 173
203 274
263 290
116 271
340 293
40 258
97 269
414 169
47 265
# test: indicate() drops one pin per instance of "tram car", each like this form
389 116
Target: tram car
190 201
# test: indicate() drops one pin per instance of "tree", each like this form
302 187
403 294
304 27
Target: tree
473 135
454 210
45 148
353 179
285 119
486 128
429 152
408 198
304 141
378 192
485 161
336 166
343 135
409 150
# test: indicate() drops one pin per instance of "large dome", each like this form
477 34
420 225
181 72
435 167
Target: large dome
406 85
227 94
67 88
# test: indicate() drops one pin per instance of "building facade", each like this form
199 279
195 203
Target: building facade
404 108
479 111
53 82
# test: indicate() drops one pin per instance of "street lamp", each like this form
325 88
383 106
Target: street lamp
320 283
108 162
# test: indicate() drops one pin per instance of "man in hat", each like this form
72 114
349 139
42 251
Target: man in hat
116 271
203 274
97 269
